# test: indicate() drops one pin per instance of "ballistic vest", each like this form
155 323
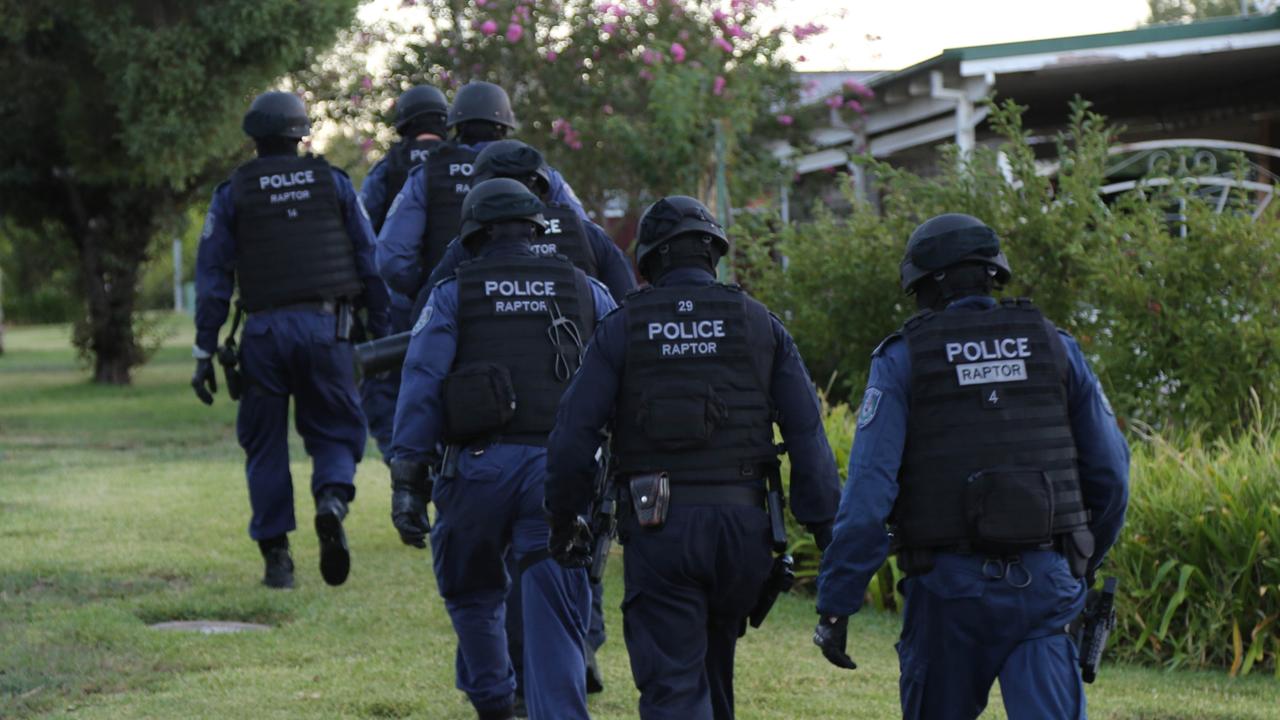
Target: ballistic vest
447 173
506 307
292 242
566 235
403 156
988 391
694 398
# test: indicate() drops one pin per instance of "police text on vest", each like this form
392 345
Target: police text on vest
990 361
697 336
519 296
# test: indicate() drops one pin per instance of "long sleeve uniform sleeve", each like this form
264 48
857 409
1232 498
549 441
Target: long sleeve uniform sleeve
1102 453
562 193
419 419
215 270
454 255
860 542
815 481
373 193
612 265
376 299
400 240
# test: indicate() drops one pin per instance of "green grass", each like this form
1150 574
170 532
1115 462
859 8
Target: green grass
122 507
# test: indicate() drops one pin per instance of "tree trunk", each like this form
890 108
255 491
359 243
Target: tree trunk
110 287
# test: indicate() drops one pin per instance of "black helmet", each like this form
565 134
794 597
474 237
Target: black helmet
671 217
510 159
482 101
417 101
277 114
945 240
498 200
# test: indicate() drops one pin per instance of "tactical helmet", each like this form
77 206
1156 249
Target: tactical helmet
945 240
417 101
672 217
498 200
482 101
510 159
277 114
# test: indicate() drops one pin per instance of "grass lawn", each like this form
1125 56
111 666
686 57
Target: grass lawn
124 507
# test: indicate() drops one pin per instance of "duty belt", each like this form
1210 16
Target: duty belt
717 494
329 307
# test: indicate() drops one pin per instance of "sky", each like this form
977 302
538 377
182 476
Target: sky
908 31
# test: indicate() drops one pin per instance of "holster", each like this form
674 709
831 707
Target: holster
229 358
650 498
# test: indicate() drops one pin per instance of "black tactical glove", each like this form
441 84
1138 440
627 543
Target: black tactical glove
570 541
821 535
832 635
410 492
204 381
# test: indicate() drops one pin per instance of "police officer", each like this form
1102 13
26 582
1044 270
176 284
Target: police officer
421 116
988 446
587 246
424 216
490 356
291 233
693 375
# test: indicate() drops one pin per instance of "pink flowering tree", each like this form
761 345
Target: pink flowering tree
625 97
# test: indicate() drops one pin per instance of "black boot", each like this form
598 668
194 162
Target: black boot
595 681
335 558
502 713
279 565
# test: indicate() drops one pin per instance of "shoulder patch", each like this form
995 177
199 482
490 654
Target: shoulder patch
394 205
885 343
363 210
870 404
207 230
423 319
1102 395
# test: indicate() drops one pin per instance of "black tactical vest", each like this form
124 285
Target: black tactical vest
506 305
988 391
292 243
448 177
694 399
403 156
566 235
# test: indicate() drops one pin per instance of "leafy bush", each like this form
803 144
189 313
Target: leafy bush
1179 328
1197 562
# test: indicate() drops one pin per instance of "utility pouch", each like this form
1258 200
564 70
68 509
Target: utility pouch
344 323
681 416
479 400
1009 509
229 359
1078 548
650 498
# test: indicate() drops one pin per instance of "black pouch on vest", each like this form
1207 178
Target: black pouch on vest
681 416
1009 510
479 400
1078 548
650 498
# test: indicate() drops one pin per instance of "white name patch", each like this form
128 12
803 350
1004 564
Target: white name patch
995 371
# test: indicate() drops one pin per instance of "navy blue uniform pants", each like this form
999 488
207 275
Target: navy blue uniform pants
378 393
493 503
515 620
294 353
972 620
689 588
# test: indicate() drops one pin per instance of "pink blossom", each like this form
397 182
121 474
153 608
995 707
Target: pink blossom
552 55
719 15
366 82
785 120
488 27
609 28
723 44
356 99
482 3
607 109
853 105
366 145
522 11
835 101
717 87
801 59
804 32
677 52
809 85
683 35
649 57
858 88
646 75
736 31
515 31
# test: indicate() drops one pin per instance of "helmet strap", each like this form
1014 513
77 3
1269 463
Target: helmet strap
274 145
509 232
425 124
471 132
689 250
937 291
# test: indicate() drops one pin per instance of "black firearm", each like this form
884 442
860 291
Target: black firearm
782 575
604 515
383 354
229 358
1094 626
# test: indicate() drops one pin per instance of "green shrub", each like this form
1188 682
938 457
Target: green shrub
1180 329
1197 561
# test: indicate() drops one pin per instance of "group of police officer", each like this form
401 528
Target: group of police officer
986 456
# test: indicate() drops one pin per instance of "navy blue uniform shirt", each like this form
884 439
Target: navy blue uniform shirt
432 348
860 541
216 263
588 404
